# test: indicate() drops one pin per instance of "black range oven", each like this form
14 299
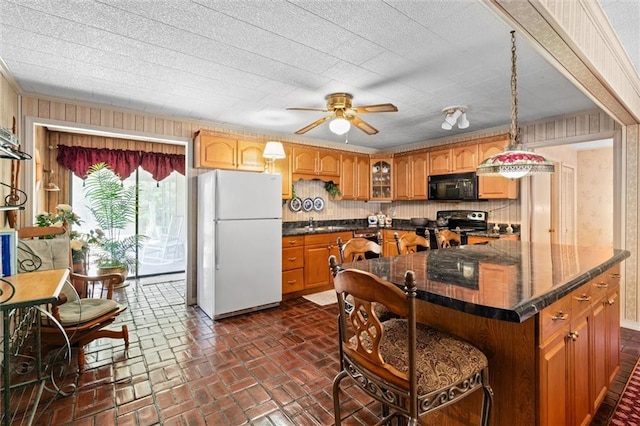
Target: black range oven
460 221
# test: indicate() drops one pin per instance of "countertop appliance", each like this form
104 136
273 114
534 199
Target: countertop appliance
461 221
453 187
239 242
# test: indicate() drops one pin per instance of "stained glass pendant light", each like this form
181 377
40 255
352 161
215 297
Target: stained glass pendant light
514 162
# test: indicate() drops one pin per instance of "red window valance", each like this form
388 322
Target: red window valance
123 162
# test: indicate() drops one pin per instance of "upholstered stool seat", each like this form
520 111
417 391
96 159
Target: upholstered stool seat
441 359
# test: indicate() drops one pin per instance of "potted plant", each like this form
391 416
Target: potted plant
113 207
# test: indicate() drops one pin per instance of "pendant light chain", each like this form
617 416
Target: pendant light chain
514 131
514 162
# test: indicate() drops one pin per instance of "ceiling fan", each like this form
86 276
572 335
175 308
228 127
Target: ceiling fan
343 114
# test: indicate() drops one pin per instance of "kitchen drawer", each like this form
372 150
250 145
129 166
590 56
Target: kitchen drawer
292 280
294 241
292 258
581 300
601 287
554 318
329 239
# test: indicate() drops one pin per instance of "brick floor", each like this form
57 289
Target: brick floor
272 367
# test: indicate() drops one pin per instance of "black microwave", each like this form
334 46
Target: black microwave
453 187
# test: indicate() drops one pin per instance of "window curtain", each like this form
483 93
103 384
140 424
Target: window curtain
123 162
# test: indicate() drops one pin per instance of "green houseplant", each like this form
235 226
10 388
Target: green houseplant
113 207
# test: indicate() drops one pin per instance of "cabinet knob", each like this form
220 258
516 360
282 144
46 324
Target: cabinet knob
574 335
292 281
601 284
292 259
615 275
610 302
560 316
583 298
293 242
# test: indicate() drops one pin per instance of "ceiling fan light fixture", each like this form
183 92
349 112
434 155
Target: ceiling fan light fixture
339 125
514 162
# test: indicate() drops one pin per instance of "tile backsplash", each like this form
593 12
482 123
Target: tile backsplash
501 211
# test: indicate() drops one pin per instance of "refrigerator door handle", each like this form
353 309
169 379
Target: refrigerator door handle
216 245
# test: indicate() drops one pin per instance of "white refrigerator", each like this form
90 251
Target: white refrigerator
239 266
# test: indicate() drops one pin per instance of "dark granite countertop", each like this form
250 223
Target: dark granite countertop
327 226
491 234
536 275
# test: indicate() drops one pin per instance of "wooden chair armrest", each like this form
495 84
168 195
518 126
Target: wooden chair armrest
108 281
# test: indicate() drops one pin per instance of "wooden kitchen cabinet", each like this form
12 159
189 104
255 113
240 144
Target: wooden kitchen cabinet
389 246
317 249
312 163
495 187
410 176
212 151
461 159
292 264
579 339
354 177
381 179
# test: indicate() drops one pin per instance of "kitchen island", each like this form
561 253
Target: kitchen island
547 317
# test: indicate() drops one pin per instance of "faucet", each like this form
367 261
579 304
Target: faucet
311 222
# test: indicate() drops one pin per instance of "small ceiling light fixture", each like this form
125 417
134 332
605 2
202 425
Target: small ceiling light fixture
514 162
453 115
273 151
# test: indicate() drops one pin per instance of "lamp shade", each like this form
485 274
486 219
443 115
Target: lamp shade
339 126
274 151
514 164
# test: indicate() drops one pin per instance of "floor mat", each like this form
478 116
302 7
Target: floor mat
627 411
323 298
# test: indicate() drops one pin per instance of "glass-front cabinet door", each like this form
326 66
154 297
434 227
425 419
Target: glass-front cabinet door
381 184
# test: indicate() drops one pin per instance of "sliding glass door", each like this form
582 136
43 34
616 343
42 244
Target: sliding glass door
160 218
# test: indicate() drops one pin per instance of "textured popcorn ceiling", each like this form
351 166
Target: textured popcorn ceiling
242 63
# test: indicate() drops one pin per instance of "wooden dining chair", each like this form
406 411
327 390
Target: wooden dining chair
411 369
446 238
86 306
357 248
410 242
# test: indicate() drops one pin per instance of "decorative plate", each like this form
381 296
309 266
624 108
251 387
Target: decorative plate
307 204
318 204
295 204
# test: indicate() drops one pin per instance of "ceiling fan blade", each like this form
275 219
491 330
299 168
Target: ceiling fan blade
364 126
307 109
375 108
313 125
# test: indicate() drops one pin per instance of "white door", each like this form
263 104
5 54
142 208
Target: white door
542 195
567 225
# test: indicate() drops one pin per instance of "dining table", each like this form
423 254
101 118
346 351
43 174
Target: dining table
499 296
